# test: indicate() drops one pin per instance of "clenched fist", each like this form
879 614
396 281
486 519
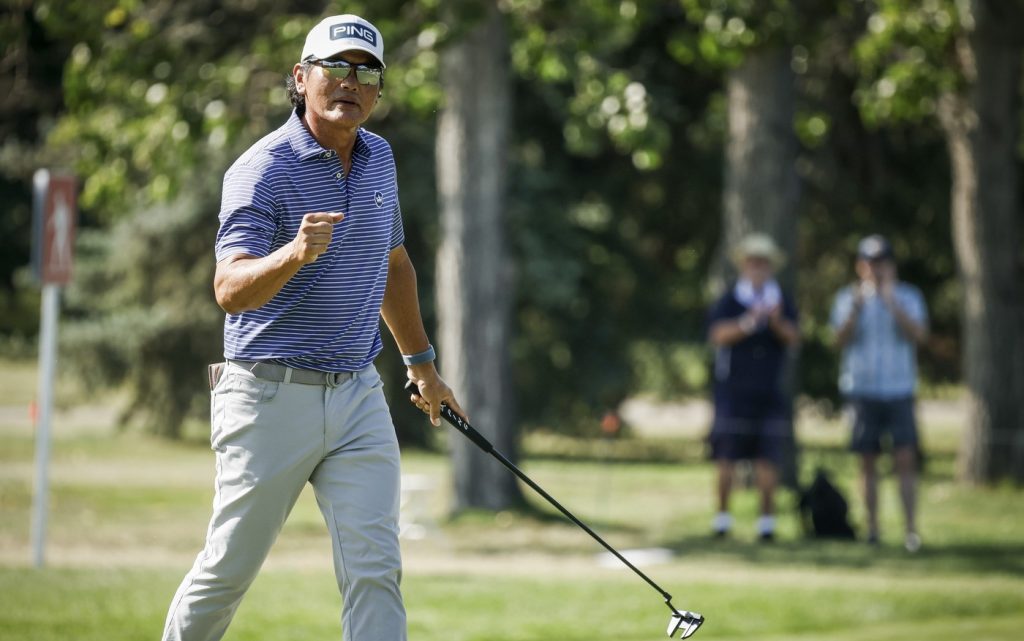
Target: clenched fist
314 235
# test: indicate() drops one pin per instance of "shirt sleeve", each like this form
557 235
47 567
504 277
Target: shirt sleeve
718 311
247 214
397 229
841 308
915 306
789 309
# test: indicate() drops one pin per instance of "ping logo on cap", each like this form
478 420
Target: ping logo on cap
353 30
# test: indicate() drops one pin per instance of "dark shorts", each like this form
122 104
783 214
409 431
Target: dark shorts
749 429
876 420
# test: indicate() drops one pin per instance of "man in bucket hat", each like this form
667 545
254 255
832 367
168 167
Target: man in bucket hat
751 326
310 256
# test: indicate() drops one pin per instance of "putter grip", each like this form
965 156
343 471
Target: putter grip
457 422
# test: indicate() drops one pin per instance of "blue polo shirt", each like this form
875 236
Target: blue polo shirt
880 361
327 317
749 370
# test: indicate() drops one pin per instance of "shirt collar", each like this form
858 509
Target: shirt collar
768 296
305 146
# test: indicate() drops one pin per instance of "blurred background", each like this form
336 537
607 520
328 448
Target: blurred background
598 159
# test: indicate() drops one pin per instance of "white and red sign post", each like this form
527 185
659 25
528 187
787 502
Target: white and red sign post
54 221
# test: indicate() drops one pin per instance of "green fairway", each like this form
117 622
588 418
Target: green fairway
129 513
104 604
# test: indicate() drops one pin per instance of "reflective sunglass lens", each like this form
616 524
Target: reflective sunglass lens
368 76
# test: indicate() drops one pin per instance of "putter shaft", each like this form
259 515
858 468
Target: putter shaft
687 621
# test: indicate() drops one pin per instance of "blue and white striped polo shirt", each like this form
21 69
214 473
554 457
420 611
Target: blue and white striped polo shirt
327 317
880 361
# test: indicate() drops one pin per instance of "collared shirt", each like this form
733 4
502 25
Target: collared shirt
327 316
750 369
880 361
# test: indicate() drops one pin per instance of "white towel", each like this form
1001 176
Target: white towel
761 299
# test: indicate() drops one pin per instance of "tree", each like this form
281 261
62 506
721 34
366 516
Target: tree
30 94
474 278
752 42
981 124
761 191
143 317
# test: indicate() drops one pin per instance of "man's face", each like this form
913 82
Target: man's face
757 269
345 102
878 270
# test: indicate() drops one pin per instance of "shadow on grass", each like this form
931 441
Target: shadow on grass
1001 558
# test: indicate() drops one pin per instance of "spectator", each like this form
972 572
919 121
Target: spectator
751 326
879 321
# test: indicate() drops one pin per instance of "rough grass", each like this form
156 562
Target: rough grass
129 514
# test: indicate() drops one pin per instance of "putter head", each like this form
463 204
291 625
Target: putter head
688 622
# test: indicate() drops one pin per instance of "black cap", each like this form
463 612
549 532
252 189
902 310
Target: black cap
874 247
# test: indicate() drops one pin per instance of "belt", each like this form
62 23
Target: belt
284 374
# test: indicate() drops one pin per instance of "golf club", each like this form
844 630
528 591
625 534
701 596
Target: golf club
685 621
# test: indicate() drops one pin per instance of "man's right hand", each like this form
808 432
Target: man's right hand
314 235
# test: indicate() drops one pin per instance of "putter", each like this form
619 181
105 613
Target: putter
681 620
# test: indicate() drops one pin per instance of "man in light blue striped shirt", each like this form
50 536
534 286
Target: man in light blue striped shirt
310 256
879 322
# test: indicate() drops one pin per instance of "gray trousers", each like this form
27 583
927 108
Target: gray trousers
270 439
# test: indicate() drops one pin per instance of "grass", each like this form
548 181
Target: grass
129 514
296 605
18 382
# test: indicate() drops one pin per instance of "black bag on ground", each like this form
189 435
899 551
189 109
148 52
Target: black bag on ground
823 505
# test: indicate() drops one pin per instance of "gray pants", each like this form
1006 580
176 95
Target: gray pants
270 439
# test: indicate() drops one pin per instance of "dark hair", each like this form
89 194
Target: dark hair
297 99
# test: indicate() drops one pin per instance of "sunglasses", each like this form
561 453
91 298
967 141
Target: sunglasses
339 70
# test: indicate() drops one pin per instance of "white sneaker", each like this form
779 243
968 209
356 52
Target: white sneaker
721 524
766 528
912 542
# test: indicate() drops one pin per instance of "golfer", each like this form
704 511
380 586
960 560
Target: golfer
879 321
309 257
751 326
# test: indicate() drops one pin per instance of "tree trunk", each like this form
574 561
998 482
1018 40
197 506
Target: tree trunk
981 132
474 288
761 190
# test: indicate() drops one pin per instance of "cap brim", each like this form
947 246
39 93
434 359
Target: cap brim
778 260
878 256
324 56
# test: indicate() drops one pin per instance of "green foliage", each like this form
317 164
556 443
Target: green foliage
141 313
158 88
615 160
906 59
729 28
160 99
668 368
597 49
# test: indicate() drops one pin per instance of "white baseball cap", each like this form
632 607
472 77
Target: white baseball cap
343 33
